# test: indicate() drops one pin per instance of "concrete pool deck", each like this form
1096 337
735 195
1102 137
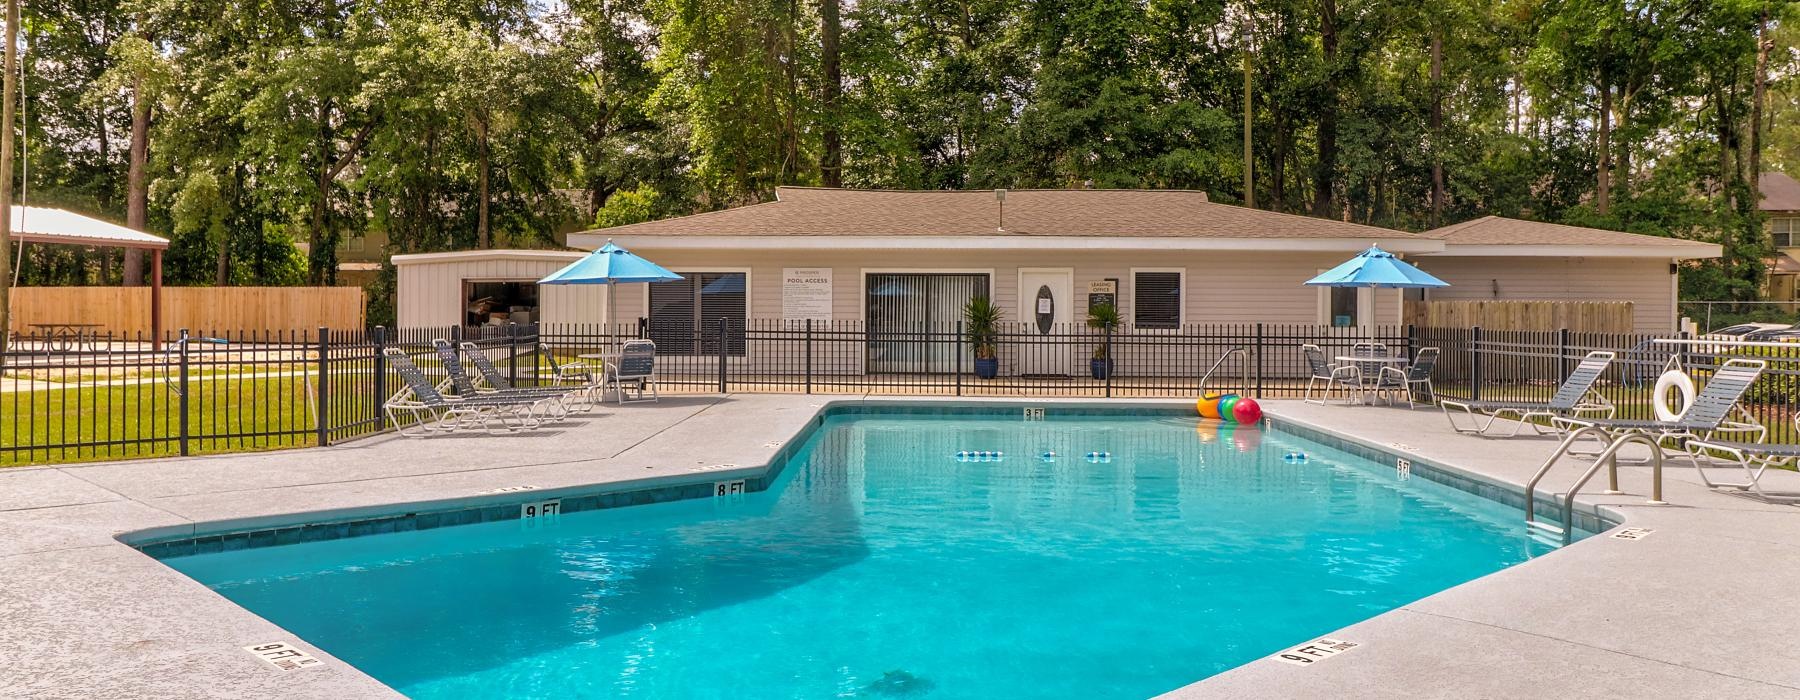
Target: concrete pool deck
1697 608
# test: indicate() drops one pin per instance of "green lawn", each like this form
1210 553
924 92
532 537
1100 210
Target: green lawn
104 418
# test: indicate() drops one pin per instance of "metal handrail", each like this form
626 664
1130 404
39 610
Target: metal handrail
1239 350
1607 458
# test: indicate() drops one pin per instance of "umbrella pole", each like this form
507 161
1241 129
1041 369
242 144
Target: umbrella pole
612 306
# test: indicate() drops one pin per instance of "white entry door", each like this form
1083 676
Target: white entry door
1046 309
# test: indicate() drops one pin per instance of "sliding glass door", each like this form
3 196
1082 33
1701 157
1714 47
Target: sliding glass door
912 320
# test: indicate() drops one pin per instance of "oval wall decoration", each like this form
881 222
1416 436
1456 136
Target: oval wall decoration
1046 309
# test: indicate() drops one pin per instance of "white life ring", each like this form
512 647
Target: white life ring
1682 384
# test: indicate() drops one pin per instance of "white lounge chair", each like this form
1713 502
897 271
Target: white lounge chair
433 413
1575 398
557 398
1754 457
579 399
1709 413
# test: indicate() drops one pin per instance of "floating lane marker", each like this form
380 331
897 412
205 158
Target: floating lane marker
979 456
1632 533
284 656
1315 651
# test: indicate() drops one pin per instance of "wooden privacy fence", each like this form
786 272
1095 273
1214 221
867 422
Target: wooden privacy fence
126 310
1577 316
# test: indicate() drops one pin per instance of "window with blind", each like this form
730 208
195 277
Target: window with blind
1785 231
1156 299
692 316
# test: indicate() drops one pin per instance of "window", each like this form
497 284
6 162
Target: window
1343 306
1156 299
686 314
1785 231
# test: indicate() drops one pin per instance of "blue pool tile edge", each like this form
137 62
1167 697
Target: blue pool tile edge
1587 520
504 507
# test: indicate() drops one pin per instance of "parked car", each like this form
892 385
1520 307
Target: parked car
1784 332
1791 335
1738 331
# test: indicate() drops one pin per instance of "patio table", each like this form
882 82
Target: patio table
65 337
1368 388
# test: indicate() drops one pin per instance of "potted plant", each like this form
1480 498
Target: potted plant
982 317
1106 318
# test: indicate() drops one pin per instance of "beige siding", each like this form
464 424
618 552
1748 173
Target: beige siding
430 293
1219 287
1646 283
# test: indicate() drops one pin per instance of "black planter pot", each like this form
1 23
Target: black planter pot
1101 369
987 368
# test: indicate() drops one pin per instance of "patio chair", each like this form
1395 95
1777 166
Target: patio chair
1368 374
1576 397
433 413
635 373
1321 370
1754 457
458 378
579 399
1415 379
564 373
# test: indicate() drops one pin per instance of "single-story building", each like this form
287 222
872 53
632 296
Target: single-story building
1499 258
906 259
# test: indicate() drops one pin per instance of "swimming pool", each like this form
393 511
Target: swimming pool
1146 554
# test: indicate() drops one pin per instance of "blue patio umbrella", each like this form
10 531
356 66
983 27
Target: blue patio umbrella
610 265
1379 269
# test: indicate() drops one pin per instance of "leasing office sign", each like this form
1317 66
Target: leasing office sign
806 293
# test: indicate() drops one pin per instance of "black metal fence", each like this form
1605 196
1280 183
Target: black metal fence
111 396
124 396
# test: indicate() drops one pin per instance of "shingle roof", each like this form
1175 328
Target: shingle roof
1496 230
806 211
1779 192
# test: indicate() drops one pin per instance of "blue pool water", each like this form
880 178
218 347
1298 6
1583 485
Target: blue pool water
881 566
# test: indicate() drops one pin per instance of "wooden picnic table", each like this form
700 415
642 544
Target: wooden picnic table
66 337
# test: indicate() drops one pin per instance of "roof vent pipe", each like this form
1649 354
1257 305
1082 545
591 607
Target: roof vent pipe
1000 196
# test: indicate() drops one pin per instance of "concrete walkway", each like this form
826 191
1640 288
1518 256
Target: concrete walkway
1699 608
1703 607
